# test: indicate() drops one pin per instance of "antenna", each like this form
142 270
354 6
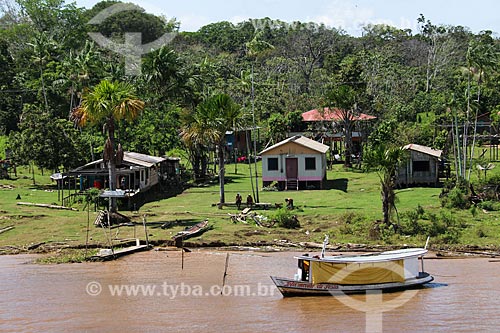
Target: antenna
325 243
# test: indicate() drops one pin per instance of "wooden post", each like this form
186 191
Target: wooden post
145 229
182 258
88 224
225 273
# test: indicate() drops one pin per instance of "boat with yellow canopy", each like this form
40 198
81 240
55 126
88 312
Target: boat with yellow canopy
334 275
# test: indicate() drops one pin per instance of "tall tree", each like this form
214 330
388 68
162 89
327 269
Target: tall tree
482 58
386 159
109 102
212 118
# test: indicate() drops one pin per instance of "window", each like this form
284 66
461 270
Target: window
421 166
272 164
310 163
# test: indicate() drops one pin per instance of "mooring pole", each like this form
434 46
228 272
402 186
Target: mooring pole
225 274
88 225
145 229
182 251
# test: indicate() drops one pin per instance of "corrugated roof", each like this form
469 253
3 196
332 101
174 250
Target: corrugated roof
334 114
131 158
143 158
303 141
424 150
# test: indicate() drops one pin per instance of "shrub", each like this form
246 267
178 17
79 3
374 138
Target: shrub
351 223
490 205
411 224
381 231
286 219
456 198
481 233
350 218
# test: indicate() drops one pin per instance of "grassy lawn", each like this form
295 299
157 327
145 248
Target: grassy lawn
346 210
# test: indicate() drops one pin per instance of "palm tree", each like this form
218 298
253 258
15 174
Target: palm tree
42 46
481 59
209 123
109 102
386 160
192 134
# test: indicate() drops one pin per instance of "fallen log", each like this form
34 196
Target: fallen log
6 229
34 246
45 206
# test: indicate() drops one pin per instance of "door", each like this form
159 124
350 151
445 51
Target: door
292 168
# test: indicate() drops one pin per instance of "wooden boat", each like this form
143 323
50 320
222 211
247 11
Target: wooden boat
192 231
336 275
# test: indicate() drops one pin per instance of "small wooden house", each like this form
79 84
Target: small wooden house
297 162
137 172
421 167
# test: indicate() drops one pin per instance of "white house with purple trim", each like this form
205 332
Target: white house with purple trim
295 163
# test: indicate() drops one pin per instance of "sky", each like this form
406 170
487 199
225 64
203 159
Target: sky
349 15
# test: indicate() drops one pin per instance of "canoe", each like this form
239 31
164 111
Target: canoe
192 231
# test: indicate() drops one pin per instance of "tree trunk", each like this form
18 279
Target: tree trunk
348 141
221 173
112 170
386 205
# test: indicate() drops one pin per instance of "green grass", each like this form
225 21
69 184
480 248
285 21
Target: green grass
346 211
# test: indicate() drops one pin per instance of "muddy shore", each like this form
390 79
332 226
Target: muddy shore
276 246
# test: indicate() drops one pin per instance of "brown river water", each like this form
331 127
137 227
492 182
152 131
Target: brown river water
465 297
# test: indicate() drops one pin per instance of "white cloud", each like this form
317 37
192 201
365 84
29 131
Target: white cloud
193 22
345 15
352 18
237 19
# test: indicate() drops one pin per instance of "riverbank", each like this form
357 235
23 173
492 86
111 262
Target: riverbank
348 210
64 253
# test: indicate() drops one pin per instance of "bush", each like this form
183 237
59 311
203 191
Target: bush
352 224
481 233
381 231
456 198
444 226
286 219
491 206
350 218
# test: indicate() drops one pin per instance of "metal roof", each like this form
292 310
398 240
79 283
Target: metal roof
371 257
424 150
129 158
334 114
302 141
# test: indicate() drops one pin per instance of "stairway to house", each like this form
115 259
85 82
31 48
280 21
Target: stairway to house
292 184
101 219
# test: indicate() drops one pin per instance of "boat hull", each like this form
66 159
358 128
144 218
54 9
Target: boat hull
195 230
289 287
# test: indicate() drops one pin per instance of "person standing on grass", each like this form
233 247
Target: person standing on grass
249 201
238 200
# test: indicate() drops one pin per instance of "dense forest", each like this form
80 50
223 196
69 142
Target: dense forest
419 84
